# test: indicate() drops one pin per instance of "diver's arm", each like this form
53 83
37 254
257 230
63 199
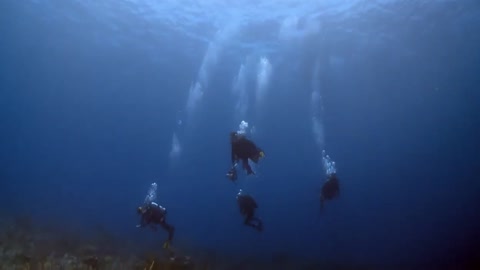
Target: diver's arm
247 167
232 156
241 205
143 222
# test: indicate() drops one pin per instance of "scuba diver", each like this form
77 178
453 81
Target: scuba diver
243 149
330 189
247 207
153 214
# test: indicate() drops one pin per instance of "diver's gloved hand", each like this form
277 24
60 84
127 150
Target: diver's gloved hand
166 244
232 174
260 225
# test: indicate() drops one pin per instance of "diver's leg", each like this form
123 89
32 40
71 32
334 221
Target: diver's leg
252 221
170 229
248 218
258 223
247 167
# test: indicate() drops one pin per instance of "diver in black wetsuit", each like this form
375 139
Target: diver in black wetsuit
243 149
247 207
330 189
153 214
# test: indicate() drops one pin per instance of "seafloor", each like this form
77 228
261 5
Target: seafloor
28 245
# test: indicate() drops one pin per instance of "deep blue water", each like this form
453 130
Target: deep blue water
92 93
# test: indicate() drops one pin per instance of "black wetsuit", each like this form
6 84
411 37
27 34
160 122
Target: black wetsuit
156 214
247 207
244 149
330 189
